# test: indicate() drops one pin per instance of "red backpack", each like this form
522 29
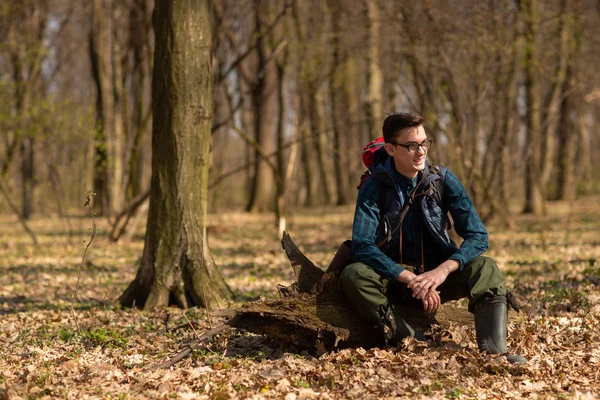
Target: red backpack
372 155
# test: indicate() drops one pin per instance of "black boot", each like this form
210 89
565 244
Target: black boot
491 316
387 325
395 329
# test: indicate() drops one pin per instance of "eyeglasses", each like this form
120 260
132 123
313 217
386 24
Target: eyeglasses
412 147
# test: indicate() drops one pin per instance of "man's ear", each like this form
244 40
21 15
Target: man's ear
389 148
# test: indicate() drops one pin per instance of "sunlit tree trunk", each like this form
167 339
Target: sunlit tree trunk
307 152
265 104
27 52
102 72
534 201
321 145
141 111
176 266
340 114
552 106
507 134
375 76
567 129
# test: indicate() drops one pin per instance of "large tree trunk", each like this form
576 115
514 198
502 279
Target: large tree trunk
176 266
534 201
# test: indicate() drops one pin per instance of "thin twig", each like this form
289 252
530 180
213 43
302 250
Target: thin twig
191 326
88 203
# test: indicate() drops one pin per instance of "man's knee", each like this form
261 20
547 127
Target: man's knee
485 266
356 272
358 277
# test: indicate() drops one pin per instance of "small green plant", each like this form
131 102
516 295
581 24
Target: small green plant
454 393
105 337
43 378
66 334
240 388
300 383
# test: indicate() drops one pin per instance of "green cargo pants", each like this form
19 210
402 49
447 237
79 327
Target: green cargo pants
367 292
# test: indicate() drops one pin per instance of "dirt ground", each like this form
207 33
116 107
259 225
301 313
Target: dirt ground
54 346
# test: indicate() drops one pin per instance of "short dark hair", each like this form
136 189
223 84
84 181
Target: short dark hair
394 123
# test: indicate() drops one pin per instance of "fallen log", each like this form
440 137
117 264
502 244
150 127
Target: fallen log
312 313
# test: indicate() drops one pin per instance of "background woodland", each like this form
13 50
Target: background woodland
510 91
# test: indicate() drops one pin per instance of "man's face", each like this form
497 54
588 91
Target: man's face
408 163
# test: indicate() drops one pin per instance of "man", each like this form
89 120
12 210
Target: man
401 217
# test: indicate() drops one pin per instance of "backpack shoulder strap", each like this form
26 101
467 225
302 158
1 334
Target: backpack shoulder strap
438 184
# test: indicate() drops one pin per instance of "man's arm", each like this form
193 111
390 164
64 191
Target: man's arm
364 233
467 223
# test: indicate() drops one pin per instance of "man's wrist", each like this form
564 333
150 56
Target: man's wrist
450 266
405 276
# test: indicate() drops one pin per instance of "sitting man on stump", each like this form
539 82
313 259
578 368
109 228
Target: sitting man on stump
401 248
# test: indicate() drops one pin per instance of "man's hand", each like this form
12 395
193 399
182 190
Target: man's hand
431 301
421 285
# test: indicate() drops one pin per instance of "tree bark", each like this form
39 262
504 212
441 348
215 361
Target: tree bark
321 141
100 61
27 175
141 111
567 129
551 109
534 200
176 266
265 103
375 76
339 106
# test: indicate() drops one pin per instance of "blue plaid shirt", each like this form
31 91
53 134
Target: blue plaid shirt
367 216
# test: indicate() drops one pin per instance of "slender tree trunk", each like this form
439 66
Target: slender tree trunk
375 76
220 137
507 136
27 175
339 107
567 129
141 111
551 109
176 266
307 151
265 103
116 143
321 141
280 182
102 72
305 84
534 201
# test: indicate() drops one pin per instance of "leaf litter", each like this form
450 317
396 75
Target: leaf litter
554 274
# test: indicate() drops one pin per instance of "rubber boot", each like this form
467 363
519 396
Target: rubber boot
491 318
387 325
394 329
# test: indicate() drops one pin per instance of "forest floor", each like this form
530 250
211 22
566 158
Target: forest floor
51 347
